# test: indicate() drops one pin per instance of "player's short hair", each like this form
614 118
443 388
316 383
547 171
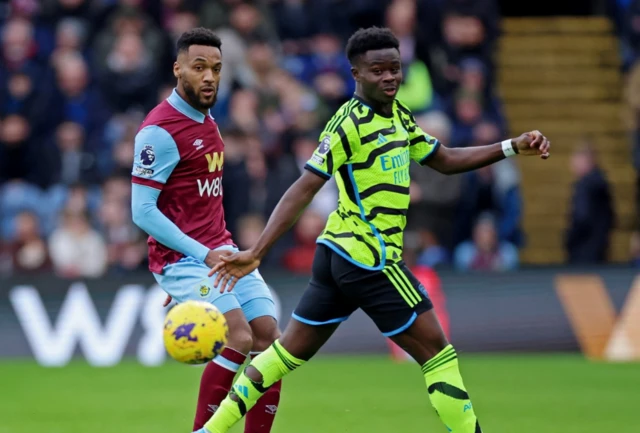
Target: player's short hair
198 36
371 38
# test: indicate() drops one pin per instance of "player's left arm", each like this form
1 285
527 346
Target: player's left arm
459 160
427 150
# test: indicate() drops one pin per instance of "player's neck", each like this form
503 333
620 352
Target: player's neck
385 110
184 97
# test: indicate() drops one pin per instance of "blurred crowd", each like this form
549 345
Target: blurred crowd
78 76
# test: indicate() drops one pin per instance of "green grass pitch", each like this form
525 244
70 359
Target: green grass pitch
511 393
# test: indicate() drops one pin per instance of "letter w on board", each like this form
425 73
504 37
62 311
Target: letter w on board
592 315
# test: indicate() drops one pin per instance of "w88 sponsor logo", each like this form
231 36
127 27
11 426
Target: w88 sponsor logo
210 187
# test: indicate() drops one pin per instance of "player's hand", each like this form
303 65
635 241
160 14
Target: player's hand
533 143
232 268
167 301
214 257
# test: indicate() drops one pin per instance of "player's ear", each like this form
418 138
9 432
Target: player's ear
355 73
176 69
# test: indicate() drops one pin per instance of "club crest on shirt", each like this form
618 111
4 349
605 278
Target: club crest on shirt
325 144
204 290
147 155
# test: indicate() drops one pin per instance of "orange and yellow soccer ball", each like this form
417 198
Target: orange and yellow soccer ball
195 332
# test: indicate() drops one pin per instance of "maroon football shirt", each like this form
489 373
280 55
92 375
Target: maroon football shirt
180 152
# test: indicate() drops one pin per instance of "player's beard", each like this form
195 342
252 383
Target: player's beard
195 99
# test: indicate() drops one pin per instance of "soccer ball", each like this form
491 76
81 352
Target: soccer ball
195 332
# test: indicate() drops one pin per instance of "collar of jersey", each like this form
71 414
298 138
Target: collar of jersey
183 106
359 99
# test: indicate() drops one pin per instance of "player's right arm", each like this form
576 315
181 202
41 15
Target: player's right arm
156 155
335 149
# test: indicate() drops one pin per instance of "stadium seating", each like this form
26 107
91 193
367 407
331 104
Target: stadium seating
562 76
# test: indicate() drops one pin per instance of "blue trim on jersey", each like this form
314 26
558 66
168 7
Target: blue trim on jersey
156 154
364 218
345 256
314 323
183 106
430 154
147 216
403 328
323 174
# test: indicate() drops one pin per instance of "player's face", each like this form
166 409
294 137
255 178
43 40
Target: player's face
379 73
198 72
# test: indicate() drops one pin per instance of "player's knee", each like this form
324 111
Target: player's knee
263 341
240 340
265 332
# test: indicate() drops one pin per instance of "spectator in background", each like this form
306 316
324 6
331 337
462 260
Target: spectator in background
470 28
416 91
466 111
494 189
228 13
122 155
53 11
126 247
130 75
178 18
117 187
243 112
71 37
16 156
77 100
432 254
256 165
297 23
76 200
235 197
289 168
76 249
68 161
591 219
19 47
434 196
119 133
329 72
28 251
485 252
250 227
27 94
299 258
132 21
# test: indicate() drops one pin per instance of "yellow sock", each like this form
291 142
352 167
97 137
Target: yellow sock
448 394
273 364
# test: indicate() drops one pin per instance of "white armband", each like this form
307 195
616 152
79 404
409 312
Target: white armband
507 148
